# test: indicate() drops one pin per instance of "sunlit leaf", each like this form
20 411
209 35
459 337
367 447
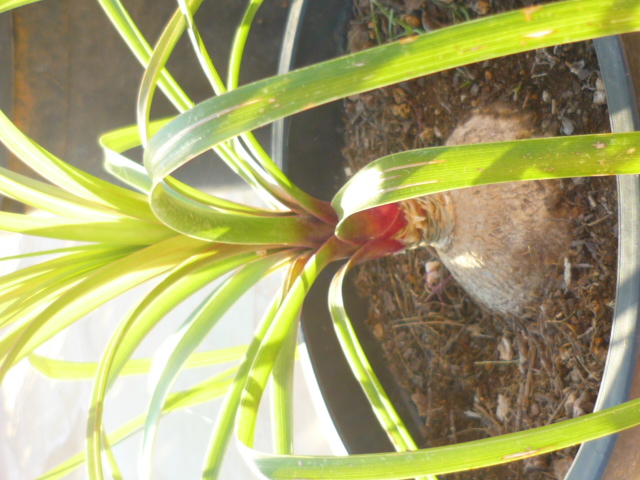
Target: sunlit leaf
176 351
453 458
204 391
249 107
67 370
193 273
421 172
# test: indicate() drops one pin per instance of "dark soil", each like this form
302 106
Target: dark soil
472 374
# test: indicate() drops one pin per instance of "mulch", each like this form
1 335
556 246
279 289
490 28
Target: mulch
473 374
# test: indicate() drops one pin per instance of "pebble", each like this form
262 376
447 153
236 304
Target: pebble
567 126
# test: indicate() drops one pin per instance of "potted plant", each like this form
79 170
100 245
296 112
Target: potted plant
192 238
317 25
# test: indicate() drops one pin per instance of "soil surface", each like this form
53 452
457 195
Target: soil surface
473 374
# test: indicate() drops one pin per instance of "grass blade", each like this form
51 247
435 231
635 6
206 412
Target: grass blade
116 474
115 142
223 427
283 368
52 199
6 5
282 405
361 368
27 292
263 175
57 251
136 42
239 42
199 48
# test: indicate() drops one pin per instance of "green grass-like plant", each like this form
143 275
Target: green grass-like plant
166 229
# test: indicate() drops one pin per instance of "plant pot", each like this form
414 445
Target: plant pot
309 147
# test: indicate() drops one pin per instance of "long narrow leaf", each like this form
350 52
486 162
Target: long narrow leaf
421 172
239 42
134 174
117 232
194 273
75 255
67 370
70 178
282 309
204 59
251 106
52 199
7 5
178 349
198 220
204 391
283 369
223 427
136 42
278 331
282 405
382 406
362 370
34 288
104 284
56 251
116 474
265 178
114 143
441 460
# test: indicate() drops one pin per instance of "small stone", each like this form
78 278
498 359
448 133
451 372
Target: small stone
434 272
378 331
399 95
535 409
536 463
401 111
412 21
577 68
482 7
567 126
505 350
427 134
567 274
422 402
504 406
600 95
561 467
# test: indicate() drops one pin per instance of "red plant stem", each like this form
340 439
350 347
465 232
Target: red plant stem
384 221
